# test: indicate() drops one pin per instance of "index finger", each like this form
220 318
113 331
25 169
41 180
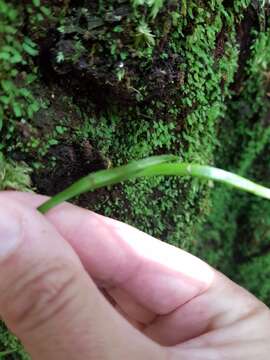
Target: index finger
158 276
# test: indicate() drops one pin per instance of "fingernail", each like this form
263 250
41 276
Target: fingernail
10 232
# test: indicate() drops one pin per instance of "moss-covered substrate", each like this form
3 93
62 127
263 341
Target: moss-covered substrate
109 82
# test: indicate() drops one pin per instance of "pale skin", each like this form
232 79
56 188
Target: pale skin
77 285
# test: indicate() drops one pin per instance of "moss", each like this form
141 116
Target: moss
10 348
14 176
186 123
236 233
17 70
190 62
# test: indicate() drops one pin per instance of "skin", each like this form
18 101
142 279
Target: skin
77 285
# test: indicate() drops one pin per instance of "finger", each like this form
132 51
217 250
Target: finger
209 310
224 306
131 308
118 255
48 300
223 303
247 338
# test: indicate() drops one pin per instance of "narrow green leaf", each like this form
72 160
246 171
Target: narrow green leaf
155 166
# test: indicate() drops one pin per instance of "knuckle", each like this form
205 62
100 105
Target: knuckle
37 299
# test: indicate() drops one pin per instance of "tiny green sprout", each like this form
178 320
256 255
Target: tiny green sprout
144 35
36 3
61 29
154 5
120 72
164 165
60 57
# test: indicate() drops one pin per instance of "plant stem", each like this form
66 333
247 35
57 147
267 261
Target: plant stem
153 166
103 178
209 173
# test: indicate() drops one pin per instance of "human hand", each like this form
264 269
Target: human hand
77 285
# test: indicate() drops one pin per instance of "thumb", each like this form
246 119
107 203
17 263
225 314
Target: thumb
48 300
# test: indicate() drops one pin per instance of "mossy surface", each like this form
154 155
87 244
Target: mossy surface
90 85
